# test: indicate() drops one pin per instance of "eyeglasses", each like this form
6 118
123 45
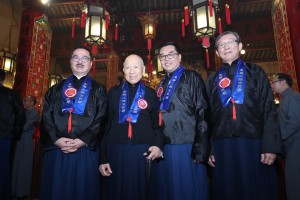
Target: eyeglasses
228 43
170 56
279 80
84 59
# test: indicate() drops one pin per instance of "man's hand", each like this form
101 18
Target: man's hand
268 158
68 145
105 169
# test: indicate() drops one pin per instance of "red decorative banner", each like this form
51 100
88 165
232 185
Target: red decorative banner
284 49
37 82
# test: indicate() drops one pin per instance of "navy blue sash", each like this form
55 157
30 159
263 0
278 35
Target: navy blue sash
76 104
134 111
173 82
238 87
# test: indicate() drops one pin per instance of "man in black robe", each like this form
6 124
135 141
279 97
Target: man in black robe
72 115
245 128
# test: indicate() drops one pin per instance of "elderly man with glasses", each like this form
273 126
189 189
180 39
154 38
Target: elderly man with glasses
73 112
245 127
183 117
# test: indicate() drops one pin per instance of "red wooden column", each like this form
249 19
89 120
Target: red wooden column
286 28
33 55
293 15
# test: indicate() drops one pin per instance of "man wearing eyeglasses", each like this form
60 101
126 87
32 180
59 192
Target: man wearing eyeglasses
72 115
183 112
289 118
245 131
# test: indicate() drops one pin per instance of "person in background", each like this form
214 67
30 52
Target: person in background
289 118
11 125
73 113
184 115
132 132
245 127
23 158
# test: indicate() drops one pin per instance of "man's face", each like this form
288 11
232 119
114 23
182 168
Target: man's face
81 62
277 85
133 69
28 102
228 48
170 59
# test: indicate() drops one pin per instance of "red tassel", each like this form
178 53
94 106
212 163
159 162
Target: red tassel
83 19
220 26
106 21
207 59
94 49
233 109
94 67
210 8
117 32
70 120
129 127
85 44
186 15
205 42
73 28
227 13
160 118
36 133
182 28
149 43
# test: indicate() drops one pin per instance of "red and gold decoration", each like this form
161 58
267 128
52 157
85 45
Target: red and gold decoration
34 57
284 49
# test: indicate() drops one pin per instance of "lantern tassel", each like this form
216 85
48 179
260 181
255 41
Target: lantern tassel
210 8
94 49
227 13
207 59
73 28
182 28
83 19
149 43
117 33
186 15
220 26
